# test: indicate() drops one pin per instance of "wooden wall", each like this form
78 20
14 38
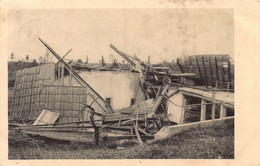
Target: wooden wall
33 92
209 69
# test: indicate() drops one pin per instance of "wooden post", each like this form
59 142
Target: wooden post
223 111
96 129
214 102
203 110
138 135
184 102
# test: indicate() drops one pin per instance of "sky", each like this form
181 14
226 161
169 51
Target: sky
164 34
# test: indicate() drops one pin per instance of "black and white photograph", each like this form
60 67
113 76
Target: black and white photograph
121 83
118 84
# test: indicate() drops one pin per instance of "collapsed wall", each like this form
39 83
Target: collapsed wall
36 89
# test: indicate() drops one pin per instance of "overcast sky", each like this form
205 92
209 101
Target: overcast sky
165 34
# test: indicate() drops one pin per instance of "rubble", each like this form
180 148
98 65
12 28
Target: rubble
84 115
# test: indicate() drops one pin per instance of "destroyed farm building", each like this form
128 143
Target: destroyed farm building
75 101
42 87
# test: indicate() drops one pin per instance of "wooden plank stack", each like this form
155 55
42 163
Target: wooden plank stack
142 109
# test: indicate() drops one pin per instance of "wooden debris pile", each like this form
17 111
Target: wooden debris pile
141 120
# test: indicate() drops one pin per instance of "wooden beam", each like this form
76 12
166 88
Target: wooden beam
213 111
79 79
158 92
159 99
123 55
63 57
208 99
138 135
184 102
173 93
223 111
203 110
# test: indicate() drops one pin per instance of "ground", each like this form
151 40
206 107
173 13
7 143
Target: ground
215 142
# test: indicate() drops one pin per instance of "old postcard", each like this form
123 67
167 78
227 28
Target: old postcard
147 82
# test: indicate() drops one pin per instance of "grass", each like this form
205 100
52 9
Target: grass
215 142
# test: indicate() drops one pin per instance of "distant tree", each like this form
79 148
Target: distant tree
113 61
46 56
34 62
40 59
80 61
111 57
27 58
86 59
12 57
166 64
103 61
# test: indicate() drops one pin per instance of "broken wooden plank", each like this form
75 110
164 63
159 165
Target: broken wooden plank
123 55
63 57
46 117
138 135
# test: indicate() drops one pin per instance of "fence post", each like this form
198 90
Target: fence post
223 111
203 110
184 102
